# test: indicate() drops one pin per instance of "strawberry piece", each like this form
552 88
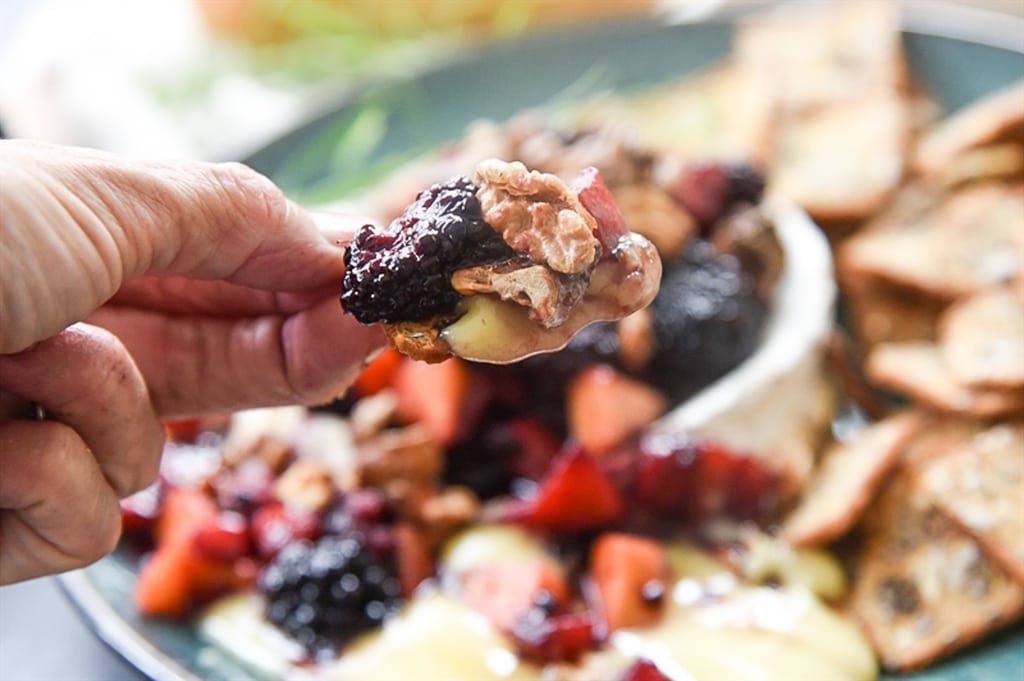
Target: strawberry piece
506 592
445 397
274 525
179 575
528 445
225 539
595 196
380 374
623 569
644 670
140 510
703 190
556 638
575 495
605 407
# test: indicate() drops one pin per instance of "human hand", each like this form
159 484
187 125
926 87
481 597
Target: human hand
134 291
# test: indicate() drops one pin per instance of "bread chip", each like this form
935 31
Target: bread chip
846 480
980 486
918 371
982 340
993 162
938 436
881 312
923 588
841 163
1000 115
813 60
963 245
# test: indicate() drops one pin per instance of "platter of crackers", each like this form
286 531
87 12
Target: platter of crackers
902 470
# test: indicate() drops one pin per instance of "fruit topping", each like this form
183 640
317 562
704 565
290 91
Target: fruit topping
629 575
328 593
690 481
562 637
709 191
707 319
574 496
605 407
644 670
403 273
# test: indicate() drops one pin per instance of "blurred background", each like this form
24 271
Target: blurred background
218 79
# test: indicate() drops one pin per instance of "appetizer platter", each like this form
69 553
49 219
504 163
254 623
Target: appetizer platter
800 455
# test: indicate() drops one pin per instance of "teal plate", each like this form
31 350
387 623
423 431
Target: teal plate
957 54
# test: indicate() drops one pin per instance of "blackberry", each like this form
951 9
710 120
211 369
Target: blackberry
328 593
707 319
403 273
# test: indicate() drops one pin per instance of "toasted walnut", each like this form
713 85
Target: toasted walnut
420 340
272 451
305 485
436 512
636 340
372 414
537 214
407 453
549 295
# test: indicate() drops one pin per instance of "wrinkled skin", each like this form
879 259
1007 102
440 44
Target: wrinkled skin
134 291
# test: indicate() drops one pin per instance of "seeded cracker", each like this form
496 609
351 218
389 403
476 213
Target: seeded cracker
982 340
980 487
922 587
917 370
846 480
963 245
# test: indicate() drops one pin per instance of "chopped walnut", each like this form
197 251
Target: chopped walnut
636 340
399 454
372 414
436 512
549 295
305 485
537 214
420 340
272 451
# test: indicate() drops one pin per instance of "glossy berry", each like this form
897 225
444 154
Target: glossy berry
403 273
707 319
644 670
709 191
563 637
328 593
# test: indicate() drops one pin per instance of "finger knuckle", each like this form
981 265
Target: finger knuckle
255 197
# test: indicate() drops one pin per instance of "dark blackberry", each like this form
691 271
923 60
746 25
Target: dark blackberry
328 593
707 319
403 273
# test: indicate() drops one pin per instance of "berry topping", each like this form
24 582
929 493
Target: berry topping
328 593
403 273
707 319
709 191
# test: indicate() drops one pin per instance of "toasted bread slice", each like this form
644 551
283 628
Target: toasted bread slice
846 480
980 487
918 371
982 340
922 587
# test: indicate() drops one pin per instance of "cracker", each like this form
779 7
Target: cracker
918 371
881 312
923 588
842 163
846 480
980 487
997 116
822 60
992 162
961 246
982 340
